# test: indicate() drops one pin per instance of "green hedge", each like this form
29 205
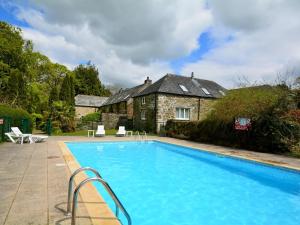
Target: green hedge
272 112
16 116
268 133
91 117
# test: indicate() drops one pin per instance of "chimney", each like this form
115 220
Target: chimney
192 75
148 81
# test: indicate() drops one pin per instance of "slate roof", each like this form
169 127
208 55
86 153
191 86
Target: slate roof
170 84
89 100
123 95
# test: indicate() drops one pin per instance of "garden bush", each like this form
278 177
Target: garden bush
91 117
89 121
274 121
16 116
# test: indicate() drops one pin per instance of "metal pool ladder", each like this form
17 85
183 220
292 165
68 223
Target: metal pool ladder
141 137
137 136
97 178
145 137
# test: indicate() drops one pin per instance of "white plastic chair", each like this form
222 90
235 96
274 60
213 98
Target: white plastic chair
121 131
100 131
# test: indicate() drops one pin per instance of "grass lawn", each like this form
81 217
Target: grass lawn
84 133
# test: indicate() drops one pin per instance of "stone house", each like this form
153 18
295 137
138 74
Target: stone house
174 97
85 104
120 105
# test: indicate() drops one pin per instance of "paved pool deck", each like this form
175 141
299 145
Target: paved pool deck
34 180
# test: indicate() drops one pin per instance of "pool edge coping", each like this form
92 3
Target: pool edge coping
95 212
252 159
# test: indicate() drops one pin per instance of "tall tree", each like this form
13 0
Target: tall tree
54 95
87 81
11 46
67 90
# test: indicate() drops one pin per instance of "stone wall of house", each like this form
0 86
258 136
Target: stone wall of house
149 107
104 108
82 111
166 110
113 120
129 108
167 105
120 108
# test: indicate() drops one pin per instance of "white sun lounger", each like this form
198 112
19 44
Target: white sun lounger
19 138
121 132
100 131
32 138
38 138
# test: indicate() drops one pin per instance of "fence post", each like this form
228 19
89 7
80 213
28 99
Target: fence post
5 125
49 127
1 129
25 125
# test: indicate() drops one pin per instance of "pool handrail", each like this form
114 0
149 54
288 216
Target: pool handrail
109 190
145 136
71 183
137 135
106 186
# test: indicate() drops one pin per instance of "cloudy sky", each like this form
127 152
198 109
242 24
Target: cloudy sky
131 39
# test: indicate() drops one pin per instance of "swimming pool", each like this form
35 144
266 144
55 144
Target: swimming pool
165 184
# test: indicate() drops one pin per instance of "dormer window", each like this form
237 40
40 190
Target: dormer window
205 91
143 100
183 88
222 92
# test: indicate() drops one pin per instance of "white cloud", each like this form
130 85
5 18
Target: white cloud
127 40
266 41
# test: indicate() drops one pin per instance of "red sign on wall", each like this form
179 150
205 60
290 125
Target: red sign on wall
242 124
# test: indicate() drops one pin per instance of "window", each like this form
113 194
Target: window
222 92
143 115
182 113
205 91
143 100
183 88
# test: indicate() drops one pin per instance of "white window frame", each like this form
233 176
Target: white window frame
222 92
183 88
143 114
205 91
186 113
143 100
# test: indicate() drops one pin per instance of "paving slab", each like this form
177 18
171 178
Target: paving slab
33 185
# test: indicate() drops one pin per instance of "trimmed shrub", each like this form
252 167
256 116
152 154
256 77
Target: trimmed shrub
17 115
181 129
275 121
91 117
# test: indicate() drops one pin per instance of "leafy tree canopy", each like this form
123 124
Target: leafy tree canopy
29 80
87 81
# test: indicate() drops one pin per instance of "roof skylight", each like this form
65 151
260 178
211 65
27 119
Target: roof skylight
183 88
222 92
205 91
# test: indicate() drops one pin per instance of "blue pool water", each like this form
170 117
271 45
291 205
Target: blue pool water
164 184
